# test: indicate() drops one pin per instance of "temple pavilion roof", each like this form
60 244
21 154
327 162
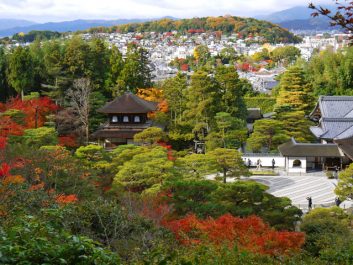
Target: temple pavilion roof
128 103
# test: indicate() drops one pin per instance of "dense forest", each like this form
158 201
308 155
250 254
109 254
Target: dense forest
243 27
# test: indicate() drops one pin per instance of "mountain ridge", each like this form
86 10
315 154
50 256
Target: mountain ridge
8 23
67 26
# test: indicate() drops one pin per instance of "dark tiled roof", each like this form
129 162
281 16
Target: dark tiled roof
129 104
336 117
294 149
347 146
335 107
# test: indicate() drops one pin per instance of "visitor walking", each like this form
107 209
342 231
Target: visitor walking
336 173
258 164
310 203
337 201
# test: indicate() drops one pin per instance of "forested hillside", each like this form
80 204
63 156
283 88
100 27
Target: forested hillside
244 27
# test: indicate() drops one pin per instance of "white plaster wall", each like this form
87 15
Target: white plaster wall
266 161
301 169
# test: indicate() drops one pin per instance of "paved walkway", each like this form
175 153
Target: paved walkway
298 188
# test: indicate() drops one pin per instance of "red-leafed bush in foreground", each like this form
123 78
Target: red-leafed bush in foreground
249 233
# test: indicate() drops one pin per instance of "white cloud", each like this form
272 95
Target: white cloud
49 10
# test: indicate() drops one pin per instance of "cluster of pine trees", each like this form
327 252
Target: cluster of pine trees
51 67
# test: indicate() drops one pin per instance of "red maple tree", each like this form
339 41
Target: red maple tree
34 111
249 233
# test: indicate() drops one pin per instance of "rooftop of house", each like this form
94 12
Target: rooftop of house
128 103
294 149
335 116
334 107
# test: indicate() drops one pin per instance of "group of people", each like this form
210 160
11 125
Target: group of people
259 163
310 202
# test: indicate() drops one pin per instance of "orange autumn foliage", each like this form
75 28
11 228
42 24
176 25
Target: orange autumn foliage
154 95
250 234
13 180
66 199
38 186
34 110
150 94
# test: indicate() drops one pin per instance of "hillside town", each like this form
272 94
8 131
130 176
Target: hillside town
163 48
166 47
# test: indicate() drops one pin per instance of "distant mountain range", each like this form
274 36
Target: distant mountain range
299 18
12 23
65 26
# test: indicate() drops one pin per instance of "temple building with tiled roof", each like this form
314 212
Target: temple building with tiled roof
334 115
126 116
334 131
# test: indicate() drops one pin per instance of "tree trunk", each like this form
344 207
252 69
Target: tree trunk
224 176
87 134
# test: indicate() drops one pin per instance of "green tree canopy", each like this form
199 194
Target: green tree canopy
267 134
228 162
20 70
145 171
150 136
294 93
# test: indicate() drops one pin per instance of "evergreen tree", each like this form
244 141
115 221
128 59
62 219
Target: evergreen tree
231 92
293 91
56 81
296 125
99 63
4 88
228 162
267 134
136 72
230 132
116 64
201 102
174 92
145 171
20 70
77 58
37 55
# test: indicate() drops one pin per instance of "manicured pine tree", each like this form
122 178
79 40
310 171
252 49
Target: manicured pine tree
293 91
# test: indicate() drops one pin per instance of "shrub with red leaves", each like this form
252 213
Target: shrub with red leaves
169 150
3 142
68 141
4 170
249 233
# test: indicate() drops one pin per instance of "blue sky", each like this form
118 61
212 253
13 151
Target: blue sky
59 10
